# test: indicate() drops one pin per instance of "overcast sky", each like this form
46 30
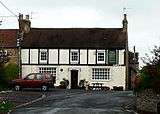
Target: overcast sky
143 17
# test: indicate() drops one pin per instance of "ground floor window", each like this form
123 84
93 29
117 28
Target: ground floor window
51 70
101 73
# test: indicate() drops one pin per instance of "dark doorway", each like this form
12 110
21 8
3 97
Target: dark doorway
74 79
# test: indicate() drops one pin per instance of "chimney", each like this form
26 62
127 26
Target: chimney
20 16
24 24
27 17
125 23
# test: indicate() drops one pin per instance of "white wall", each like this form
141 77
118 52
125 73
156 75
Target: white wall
83 56
53 56
91 56
25 56
34 56
27 69
117 76
64 56
121 57
84 72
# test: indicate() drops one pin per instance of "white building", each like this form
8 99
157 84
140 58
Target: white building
93 54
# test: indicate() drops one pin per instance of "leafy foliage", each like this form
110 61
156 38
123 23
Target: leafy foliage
5 106
8 72
11 71
82 83
155 59
149 76
64 83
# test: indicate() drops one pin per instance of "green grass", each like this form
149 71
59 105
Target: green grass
5 106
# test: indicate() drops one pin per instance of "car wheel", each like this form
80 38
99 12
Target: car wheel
44 88
17 87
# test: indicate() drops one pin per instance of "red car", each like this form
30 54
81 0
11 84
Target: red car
34 80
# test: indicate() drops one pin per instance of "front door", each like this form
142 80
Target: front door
74 79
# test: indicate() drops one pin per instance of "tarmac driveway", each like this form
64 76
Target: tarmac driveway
81 102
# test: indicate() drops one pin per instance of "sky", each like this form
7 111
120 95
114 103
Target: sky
143 17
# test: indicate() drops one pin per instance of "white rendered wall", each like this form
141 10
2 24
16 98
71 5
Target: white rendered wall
83 56
25 56
91 56
53 56
117 76
27 69
64 56
84 72
34 56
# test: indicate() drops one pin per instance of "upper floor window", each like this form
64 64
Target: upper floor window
101 56
112 57
43 55
74 56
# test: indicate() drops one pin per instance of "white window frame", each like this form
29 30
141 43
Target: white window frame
41 59
51 70
101 74
98 57
71 57
3 51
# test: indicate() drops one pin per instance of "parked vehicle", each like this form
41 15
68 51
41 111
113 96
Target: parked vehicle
34 80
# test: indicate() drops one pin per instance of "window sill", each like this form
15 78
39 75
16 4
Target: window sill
101 80
74 62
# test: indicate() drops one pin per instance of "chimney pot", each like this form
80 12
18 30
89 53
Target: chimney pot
27 17
21 16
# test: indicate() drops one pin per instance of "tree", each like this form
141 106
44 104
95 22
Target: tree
150 74
155 59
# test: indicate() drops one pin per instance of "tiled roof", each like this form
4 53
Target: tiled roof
8 38
75 38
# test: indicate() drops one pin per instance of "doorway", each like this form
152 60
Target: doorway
74 79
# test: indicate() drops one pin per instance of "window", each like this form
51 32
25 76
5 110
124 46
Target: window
51 70
3 52
112 57
100 56
101 73
43 55
74 56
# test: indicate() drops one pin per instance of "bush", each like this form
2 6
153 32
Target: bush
149 78
5 106
64 83
8 72
82 84
11 71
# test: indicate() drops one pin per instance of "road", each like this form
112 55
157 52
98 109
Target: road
81 102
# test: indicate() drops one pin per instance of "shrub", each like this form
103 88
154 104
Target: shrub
82 84
8 72
64 83
5 106
149 78
11 71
